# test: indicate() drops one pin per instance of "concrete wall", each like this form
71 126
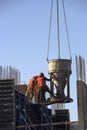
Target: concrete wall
74 126
82 104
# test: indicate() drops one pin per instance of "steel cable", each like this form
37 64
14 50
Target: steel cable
50 29
66 28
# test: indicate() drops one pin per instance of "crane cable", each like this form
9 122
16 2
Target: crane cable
58 28
49 29
66 29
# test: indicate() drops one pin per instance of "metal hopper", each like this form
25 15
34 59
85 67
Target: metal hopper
60 70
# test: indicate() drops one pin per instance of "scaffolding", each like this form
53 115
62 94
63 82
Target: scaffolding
16 113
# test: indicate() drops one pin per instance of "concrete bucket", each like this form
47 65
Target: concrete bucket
60 70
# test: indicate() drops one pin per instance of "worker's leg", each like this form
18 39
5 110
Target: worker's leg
40 95
36 95
26 92
29 94
48 90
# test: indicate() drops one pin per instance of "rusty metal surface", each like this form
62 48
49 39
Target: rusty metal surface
60 70
57 65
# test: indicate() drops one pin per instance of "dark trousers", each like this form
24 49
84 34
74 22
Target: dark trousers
42 92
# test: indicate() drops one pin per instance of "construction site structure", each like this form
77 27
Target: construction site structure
9 72
81 93
16 113
7 105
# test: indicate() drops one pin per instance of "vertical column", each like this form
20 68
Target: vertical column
81 88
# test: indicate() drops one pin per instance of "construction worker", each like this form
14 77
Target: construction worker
31 88
42 87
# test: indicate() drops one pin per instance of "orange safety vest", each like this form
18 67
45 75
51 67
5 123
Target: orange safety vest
41 81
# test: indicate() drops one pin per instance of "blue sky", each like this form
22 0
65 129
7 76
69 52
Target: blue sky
24 29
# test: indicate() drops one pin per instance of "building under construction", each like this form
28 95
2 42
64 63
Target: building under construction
19 112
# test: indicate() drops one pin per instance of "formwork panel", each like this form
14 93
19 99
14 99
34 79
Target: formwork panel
7 104
62 116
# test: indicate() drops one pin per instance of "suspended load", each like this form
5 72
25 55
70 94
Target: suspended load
59 69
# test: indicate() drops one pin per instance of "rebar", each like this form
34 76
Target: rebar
9 72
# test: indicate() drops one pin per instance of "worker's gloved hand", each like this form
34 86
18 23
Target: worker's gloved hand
51 77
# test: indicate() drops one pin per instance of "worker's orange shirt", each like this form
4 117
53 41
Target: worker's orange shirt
41 81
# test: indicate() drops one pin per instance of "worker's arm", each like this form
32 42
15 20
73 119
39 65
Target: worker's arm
47 79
